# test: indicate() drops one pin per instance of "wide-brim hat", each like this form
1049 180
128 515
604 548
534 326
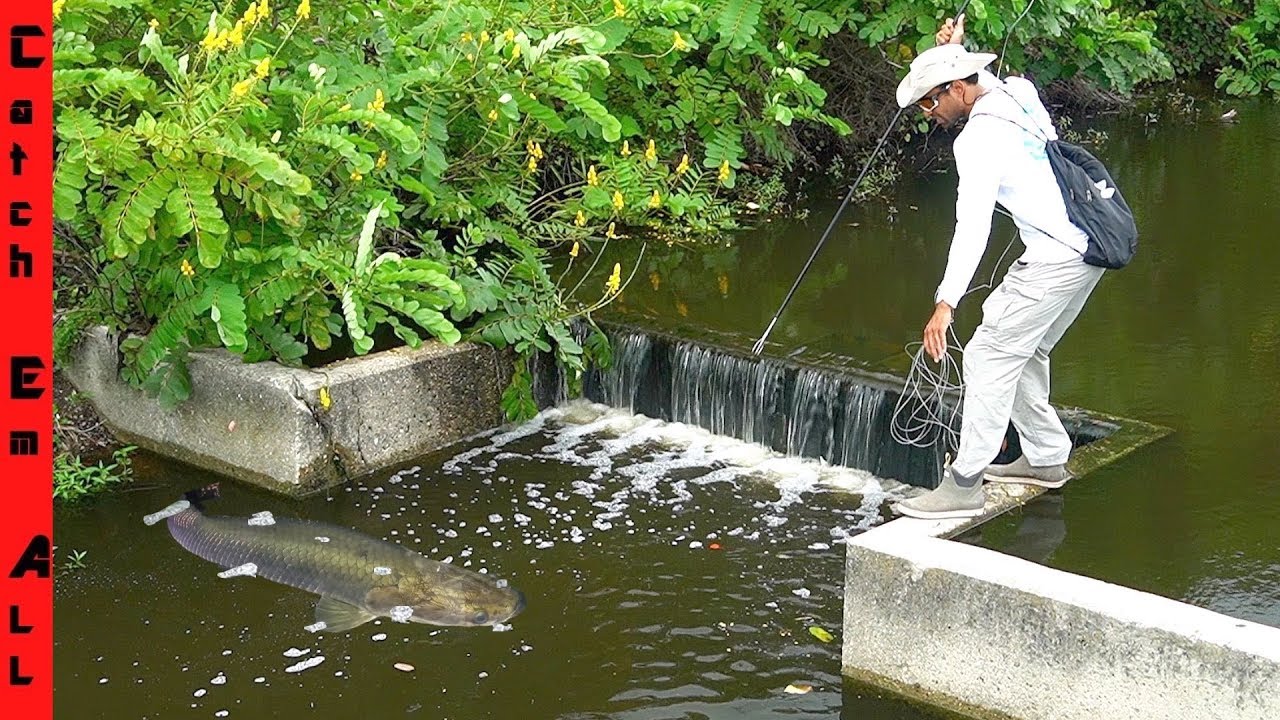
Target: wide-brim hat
936 66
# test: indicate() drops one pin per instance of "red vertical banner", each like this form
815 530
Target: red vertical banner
26 356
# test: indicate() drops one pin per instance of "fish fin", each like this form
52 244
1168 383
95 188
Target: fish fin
339 616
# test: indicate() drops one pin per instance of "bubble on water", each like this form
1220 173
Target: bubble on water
502 583
322 538
262 519
260 679
379 637
199 693
305 664
695 544
218 679
801 592
499 627
495 518
249 569
380 570
316 627
102 681
222 713
819 546
401 613
294 652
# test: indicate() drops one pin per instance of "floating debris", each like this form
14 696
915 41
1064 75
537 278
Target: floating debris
821 634
263 518
322 538
249 569
316 627
305 664
798 688
294 652
403 667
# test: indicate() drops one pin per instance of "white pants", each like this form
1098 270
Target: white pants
1006 364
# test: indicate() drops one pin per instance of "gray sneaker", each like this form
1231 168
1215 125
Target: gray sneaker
948 500
1023 472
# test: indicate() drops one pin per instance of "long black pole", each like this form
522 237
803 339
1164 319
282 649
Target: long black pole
759 346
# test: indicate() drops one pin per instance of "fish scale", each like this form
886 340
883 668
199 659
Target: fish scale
288 552
357 576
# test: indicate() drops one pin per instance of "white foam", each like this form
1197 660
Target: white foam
170 511
316 627
305 664
262 519
294 652
401 613
380 570
249 569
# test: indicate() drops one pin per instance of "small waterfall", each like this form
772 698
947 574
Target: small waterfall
810 412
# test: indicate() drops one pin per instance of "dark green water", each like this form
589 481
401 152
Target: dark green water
607 528
1188 336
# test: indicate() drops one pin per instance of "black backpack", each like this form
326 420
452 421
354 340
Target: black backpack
1084 181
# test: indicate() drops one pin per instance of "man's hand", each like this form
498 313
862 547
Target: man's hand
935 333
951 32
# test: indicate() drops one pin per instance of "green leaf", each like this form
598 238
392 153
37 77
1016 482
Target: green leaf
364 246
611 129
129 217
195 210
226 308
737 23
820 633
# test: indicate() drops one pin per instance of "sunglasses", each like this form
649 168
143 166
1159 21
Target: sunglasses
930 101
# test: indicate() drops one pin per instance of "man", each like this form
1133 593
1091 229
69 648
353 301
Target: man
1000 157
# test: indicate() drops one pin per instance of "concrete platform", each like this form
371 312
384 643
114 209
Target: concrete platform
265 424
994 636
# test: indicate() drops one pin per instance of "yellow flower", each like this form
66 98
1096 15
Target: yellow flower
655 200
655 279
466 37
592 178
573 252
614 283
213 40
683 167
264 67
650 153
187 269
304 10
724 171
618 9
626 149
57 8
236 36
617 200
264 10
515 51
345 108
355 175
535 149
493 115
153 23
378 102
251 14
509 35
609 233
484 36
326 399
533 164
242 88
678 42
580 220
382 160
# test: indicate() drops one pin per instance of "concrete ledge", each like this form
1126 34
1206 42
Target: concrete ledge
995 636
265 424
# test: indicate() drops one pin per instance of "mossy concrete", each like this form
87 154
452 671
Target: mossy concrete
269 425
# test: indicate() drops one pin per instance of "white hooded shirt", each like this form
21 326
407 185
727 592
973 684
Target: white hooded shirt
1000 162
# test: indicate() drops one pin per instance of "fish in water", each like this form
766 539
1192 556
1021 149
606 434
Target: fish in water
358 577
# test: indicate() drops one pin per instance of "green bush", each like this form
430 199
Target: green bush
73 479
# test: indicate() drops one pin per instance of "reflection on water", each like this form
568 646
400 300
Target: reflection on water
669 573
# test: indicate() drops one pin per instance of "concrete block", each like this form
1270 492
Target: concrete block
264 423
995 636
